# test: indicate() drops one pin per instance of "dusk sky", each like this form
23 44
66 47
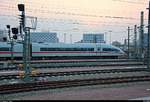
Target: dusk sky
76 17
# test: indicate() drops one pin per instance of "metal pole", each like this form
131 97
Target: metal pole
125 44
71 38
20 27
26 48
110 36
105 37
148 50
65 38
24 41
12 49
141 38
128 42
135 39
27 55
95 39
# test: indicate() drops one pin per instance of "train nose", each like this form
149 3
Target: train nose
122 52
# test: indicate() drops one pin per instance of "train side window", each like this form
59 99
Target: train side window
83 49
90 49
107 49
4 49
75 49
67 49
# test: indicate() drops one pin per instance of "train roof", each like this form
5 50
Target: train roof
75 45
88 45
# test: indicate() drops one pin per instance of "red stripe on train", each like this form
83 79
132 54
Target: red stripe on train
49 52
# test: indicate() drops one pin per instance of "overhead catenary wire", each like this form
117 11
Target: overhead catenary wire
131 2
46 13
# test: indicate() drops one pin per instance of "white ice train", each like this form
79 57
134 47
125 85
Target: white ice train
61 51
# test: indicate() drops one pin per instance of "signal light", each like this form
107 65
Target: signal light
21 7
4 39
15 37
8 26
14 30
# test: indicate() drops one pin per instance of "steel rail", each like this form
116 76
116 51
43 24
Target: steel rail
25 87
51 74
77 64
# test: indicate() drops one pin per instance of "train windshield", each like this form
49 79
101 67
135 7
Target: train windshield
111 50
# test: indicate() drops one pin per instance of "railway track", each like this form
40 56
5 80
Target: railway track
88 63
25 87
70 73
71 60
83 64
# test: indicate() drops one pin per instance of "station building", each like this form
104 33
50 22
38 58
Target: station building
49 37
93 38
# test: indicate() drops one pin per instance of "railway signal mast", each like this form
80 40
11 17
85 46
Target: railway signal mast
26 43
26 62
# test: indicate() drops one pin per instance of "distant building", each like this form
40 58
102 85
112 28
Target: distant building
93 38
49 37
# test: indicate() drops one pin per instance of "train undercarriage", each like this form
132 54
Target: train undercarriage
61 58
